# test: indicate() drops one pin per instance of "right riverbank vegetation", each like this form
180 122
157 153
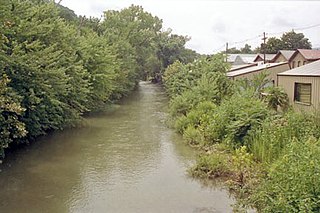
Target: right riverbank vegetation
56 66
249 137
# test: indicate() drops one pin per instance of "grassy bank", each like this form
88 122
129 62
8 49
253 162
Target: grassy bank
268 154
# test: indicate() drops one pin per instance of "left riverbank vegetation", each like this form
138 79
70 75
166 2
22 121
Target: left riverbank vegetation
249 137
56 66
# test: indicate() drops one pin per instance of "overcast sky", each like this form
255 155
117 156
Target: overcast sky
211 24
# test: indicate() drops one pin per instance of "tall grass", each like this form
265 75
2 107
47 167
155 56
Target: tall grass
267 142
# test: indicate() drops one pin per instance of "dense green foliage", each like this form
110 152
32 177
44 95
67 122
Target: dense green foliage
56 66
249 134
293 183
288 41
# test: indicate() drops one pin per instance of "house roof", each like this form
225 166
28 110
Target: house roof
246 58
254 69
268 57
311 69
310 54
241 66
286 54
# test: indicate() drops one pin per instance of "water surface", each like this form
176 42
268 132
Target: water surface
123 160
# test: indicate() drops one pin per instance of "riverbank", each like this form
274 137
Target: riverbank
123 160
255 142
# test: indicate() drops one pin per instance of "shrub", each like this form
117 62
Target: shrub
276 97
182 104
195 116
192 136
234 118
293 183
267 141
211 166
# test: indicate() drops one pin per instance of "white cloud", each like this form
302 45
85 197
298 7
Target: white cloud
211 24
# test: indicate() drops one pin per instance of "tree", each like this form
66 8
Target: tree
139 29
246 49
233 50
171 47
288 41
11 126
292 41
273 45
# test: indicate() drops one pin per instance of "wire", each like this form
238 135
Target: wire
296 29
233 44
216 50
243 41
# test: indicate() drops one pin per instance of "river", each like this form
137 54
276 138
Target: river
123 160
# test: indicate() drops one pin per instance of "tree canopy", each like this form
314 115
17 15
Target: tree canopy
56 66
288 41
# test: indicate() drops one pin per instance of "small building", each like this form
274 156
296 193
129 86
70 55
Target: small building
241 66
259 58
272 68
303 56
283 55
240 59
302 85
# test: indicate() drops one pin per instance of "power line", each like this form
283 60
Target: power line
296 29
245 40
306 28
233 44
216 50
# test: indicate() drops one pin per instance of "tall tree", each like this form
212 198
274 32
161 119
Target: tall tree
246 49
288 41
292 40
138 28
273 45
11 126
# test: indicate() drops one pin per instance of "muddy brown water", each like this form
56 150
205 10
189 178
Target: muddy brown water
123 160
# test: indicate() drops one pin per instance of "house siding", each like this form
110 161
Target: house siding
273 71
280 58
298 59
288 82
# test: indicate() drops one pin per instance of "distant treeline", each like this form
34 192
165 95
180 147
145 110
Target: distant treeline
56 66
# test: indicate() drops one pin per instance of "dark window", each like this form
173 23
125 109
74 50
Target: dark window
298 63
304 63
302 93
293 64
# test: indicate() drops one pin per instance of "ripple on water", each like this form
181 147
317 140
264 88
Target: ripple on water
125 160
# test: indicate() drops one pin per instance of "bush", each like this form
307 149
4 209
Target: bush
267 142
211 166
234 118
195 116
192 136
293 183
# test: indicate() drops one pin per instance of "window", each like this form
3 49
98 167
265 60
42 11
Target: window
293 64
299 63
302 93
304 63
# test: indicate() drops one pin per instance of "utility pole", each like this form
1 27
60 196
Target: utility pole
227 52
264 47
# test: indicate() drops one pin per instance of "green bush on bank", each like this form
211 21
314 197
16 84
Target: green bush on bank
293 182
252 122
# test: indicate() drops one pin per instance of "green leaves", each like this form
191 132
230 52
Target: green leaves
288 41
61 66
293 184
11 126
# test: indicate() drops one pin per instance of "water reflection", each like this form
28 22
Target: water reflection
124 160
